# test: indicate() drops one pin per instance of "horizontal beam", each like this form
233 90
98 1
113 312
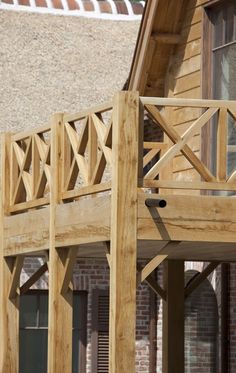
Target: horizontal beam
82 114
191 185
188 218
178 102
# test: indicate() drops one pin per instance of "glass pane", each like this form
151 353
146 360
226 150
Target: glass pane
75 353
77 310
218 23
33 351
229 24
225 88
28 310
43 310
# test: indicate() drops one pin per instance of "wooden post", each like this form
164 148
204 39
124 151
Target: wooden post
9 298
60 302
125 153
173 317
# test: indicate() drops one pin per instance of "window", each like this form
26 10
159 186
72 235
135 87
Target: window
34 331
220 51
100 331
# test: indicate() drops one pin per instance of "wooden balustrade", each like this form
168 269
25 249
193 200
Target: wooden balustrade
86 153
214 114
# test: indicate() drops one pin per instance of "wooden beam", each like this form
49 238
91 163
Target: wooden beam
124 232
164 224
151 266
15 281
166 38
69 266
152 283
199 278
34 278
60 305
173 317
9 312
108 252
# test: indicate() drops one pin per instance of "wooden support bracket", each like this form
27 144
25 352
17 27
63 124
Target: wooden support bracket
199 278
34 278
108 250
16 272
68 266
151 266
156 287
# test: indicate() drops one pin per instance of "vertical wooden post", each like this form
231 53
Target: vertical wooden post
125 145
60 302
173 317
9 312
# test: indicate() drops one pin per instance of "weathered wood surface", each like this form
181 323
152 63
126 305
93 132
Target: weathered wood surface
9 278
60 312
188 218
124 233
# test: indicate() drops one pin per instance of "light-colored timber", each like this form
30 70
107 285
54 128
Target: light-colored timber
81 181
124 233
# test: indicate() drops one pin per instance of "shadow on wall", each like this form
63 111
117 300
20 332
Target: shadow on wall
201 328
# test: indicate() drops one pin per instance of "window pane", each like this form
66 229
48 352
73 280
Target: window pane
43 310
218 23
78 310
28 311
229 24
75 353
225 88
33 351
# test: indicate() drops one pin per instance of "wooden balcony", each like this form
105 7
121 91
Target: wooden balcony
87 185
66 169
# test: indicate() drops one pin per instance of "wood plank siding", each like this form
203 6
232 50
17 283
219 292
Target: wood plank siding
172 67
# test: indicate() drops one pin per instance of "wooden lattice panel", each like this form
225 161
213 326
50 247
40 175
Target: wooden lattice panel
30 170
87 148
213 113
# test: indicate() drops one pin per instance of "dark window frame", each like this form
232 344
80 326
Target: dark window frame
83 322
207 136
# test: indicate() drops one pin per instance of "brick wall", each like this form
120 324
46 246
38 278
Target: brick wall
90 274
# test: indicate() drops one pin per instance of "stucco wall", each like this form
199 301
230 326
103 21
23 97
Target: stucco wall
54 63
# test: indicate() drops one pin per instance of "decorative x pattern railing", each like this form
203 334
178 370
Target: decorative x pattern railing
85 153
30 169
216 114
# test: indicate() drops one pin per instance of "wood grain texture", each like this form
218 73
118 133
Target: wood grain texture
124 232
209 219
60 305
9 315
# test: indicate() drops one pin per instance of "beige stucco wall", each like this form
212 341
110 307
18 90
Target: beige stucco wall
55 63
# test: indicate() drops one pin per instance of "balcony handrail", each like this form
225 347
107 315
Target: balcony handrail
85 143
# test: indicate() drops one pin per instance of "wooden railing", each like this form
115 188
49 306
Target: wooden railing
212 114
30 169
85 153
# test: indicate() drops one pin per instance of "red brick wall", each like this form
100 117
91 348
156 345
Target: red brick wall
94 274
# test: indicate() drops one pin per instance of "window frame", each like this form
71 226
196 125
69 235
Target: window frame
207 136
83 342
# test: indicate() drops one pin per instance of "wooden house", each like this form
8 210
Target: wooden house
144 180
